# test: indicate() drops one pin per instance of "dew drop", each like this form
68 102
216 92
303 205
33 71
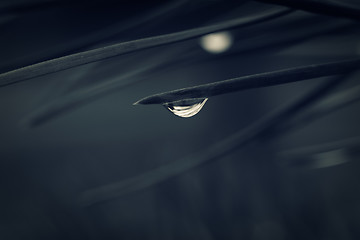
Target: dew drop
186 108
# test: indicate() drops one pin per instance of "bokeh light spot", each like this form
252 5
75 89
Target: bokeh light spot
216 42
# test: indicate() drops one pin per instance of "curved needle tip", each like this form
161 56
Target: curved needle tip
153 99
139 102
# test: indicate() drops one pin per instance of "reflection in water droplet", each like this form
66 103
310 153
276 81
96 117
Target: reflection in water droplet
186 108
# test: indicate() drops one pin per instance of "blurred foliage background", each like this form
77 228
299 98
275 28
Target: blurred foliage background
300 183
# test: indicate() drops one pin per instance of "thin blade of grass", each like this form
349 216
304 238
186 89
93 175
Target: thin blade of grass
73 60
95 38
253 132
329 105
73 100
253 81
323 147
82 97
331 8
316 26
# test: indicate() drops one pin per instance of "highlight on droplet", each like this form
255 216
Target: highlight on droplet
216 42
186 108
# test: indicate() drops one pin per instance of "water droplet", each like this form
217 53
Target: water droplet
186 108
